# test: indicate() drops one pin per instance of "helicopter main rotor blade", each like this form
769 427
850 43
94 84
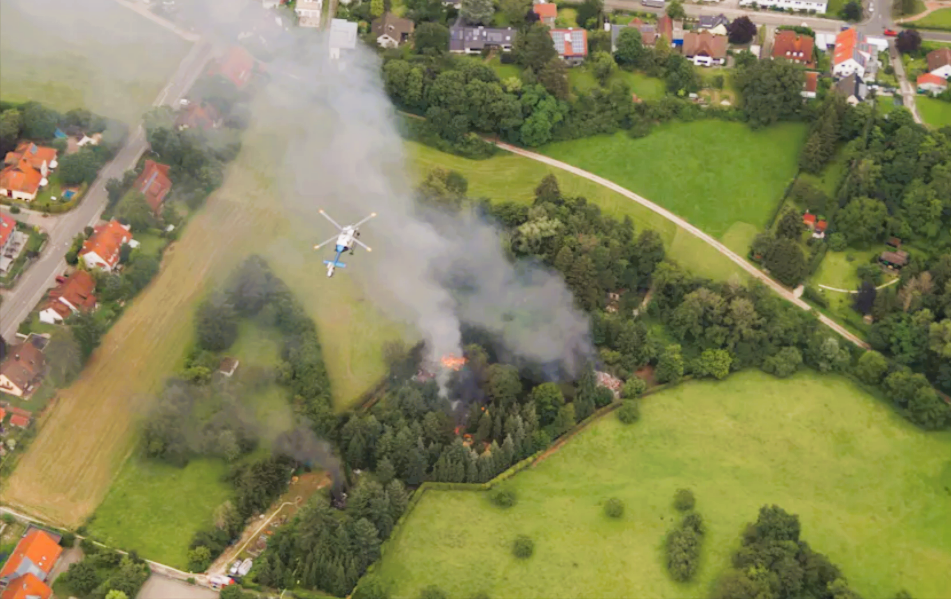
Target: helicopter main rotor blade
364 220
363 245
327 216
323 243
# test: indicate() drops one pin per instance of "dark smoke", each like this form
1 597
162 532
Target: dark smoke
303 445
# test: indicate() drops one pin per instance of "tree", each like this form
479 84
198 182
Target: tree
136 212
477 12
515 10
838 242
199 559
78 168
82 577
11 120
63 357
433 37
670 367
684 500
589 13
376 8
939 339
385 472
770 90
504 385
116 594
862 221
909 41
783 363
715 363
553 76
87 331
216 324
614 508
790 225
548 399
534 49
682 77
564 420
630 47
584 401
741 30
871 367
523 547
633 388
786 261
852 11
603 66
38 122
675 10
629 412
426 10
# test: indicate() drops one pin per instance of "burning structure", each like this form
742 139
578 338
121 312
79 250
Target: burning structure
608 381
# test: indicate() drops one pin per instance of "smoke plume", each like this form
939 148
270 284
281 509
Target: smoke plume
303 445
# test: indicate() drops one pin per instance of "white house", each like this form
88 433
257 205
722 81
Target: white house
819 6
939 63
343 36
308 12
930 83
853 54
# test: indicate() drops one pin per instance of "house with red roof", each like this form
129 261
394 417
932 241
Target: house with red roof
931 84
794 47
41 158
21 181
7 227
939 62
237 66
810 85
20 421
101 250
198 115
571 44
853 54
3 414
22 371
154 184
809 220
70 296
25 573
547 12
704 48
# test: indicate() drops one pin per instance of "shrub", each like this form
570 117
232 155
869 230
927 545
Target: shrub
837 242
68 539
633 388
15 210
523 547
684 500
8 519
504 498
614 508
683 548
629 411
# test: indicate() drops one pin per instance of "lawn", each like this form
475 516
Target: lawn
886 104
869 488
710 172
830 177
504 71
646 88
150 242
97 54
934 112
838 271
510 177
939 19
154 508
567 17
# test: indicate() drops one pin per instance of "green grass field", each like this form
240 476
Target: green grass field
872 493
510 177
837 270
646 88
154 508
939 19
98 55
886 104
504 71
710 172
934 112
830 177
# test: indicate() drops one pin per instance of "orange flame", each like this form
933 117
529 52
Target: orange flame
452 361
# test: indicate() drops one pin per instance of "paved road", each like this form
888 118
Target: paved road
908 91
41 275
162 587
749 268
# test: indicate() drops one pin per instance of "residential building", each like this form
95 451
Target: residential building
547 12
819 7
896 259
472 40
571 44
237 66
392 31
939 62
704 48
930 83
20 421
343 36
714 24
101 250
649 34
25 573
41 158
198 115
794 47
810 85
852 88
154 184
228 365
70 296
7 227
21 181
853 54
308 12
655 3
22 371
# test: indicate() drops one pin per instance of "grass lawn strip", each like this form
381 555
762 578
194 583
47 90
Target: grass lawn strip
934 112
939 19
855 472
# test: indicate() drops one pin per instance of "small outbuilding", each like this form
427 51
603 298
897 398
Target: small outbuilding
896 260
228 366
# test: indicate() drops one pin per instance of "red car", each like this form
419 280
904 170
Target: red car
891 32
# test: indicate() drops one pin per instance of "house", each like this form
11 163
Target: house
649 33
154 184
228 366
547 12
101 250
7 227
472 40
818 7
714 24
308 13
571 44
237 66
343 36
671 30
939 62
70 296
392 31
794 48
25 573
21 181
820 230
930 83
896 259
894 242
22 370
853 54
810 85
655 3
198 115
41 158
852 88
809 220
704 48
19 421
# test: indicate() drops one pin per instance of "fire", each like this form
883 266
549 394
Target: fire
452 361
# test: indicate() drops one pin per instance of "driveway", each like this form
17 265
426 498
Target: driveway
161 587
70 556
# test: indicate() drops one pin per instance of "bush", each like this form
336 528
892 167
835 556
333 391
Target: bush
523 547
8 519
837 242
629 411
504 498
683 548
68 539
15 210
684 500
614 508
633 388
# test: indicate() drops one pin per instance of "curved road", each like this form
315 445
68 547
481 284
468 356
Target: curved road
752 270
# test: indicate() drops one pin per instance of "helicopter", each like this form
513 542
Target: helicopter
346 241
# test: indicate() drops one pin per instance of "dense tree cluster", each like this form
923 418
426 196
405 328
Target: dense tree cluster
773 562
683 547
103 572
771 91
35 122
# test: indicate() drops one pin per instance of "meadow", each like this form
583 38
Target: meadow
646 88
939 19
710 172
934 112
871 492
90 55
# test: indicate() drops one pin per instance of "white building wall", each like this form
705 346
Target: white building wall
50 316
944 71
819 7
849 67
17 195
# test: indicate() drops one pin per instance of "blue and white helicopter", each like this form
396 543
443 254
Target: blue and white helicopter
346 240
